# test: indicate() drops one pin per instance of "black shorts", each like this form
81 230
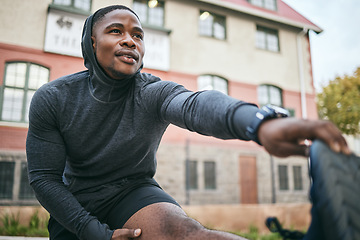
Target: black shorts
115 204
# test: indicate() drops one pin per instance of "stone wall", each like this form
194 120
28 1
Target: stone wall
240 217
236 217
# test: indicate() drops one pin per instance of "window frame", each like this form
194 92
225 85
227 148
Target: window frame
210 180
297 177
146 22
217 18
25 190
192 176
71 8
283 177
7 185
212 85
269 87
263 4
26 89
267 32
19 191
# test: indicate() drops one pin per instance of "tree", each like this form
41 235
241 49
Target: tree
339 102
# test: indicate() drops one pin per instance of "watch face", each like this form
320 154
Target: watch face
279 111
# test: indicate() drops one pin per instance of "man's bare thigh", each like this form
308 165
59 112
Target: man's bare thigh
168 221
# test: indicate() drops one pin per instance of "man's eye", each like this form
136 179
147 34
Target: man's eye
139 36
115 31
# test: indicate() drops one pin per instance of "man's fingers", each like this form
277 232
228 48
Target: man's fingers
285 137
332 136
137 232
124 233
287 149
131 233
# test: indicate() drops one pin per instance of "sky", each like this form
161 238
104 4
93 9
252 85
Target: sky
336 51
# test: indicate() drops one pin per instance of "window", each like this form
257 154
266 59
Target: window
283 177
210 175
26 192
267 39
14 183
84 5
297 178
150 11
210 82
6 179
191 175
269 94
21 81
268 4
212 25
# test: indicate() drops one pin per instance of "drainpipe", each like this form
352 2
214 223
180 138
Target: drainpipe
300 35
187 171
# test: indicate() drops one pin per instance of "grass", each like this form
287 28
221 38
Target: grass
253 234
11 226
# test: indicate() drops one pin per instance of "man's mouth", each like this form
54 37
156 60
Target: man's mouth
127 56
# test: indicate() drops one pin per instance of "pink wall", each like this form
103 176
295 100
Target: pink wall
60 65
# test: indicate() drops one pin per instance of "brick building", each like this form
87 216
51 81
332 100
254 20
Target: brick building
253 50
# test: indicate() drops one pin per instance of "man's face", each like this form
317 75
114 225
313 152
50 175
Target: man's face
118 43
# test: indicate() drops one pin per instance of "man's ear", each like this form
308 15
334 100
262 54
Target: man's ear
93 42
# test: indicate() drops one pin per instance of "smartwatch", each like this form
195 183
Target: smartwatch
265 113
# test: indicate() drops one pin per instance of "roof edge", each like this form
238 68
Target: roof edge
262 14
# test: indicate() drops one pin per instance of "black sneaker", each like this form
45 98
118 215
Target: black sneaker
335 194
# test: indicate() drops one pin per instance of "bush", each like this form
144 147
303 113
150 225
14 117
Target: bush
11 226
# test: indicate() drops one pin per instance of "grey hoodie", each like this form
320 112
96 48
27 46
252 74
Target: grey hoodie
87 131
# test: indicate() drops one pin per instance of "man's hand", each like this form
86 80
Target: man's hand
125 234
284 137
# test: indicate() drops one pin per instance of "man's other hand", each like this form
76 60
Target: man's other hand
125 234
284 137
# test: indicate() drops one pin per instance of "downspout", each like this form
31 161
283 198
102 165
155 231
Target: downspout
300 35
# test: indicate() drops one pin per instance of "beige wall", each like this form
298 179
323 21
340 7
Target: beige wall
236 59
26 21
96 4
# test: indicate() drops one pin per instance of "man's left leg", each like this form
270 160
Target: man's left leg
168 221
159 216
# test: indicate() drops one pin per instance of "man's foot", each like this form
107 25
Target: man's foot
335 194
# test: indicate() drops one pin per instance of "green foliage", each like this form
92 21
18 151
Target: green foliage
11 226
339 102
253 234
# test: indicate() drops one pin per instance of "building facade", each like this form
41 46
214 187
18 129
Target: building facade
252 50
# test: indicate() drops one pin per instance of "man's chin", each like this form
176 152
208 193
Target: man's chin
119 75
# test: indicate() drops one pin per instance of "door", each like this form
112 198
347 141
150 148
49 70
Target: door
248 179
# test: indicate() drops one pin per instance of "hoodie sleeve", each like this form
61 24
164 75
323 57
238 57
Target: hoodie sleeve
210 113
46 155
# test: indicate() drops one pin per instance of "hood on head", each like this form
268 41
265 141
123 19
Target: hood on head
90 60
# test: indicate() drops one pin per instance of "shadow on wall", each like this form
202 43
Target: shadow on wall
240 217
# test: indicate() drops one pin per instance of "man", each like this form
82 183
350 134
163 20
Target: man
93 137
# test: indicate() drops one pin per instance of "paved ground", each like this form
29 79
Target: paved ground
21 238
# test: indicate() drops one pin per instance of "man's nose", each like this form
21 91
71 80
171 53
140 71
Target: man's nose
127 40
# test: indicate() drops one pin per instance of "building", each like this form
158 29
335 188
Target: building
253 50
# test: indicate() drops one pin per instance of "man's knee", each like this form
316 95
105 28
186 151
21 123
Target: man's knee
181 227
